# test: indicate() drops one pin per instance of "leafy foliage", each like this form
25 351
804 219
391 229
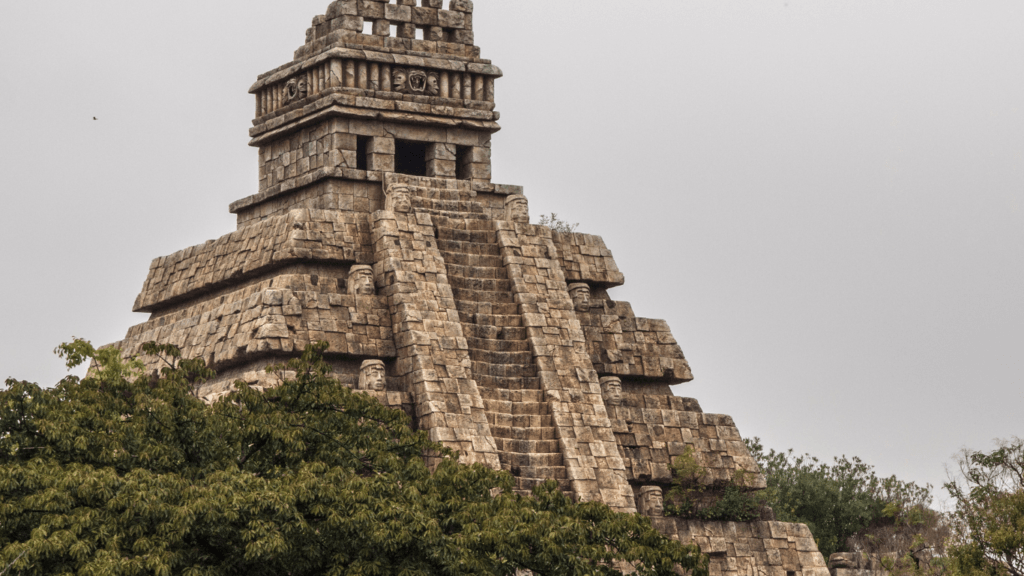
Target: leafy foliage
837 500
908 541
988 520
124 473
557 224
692 497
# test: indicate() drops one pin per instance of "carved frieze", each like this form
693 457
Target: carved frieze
415 81
295 89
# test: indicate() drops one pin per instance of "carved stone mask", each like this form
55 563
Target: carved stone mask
652 501
433 84
580 297
360 281
398 199
399 79
417 81
295 89
611 390
371 376
517 209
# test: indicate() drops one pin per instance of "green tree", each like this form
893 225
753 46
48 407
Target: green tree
693 496
124 473
988 519
837 500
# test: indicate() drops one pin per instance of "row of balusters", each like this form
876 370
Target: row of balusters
371 76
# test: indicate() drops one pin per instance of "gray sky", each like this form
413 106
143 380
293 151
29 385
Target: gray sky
824 198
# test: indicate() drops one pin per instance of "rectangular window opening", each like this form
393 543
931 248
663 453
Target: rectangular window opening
394 30
420 33
463 156
368 27
411 157
447 34
362 152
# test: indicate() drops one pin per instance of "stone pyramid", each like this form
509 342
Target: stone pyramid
377 228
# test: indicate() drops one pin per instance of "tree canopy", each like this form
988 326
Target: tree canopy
838 500
988 519
127 473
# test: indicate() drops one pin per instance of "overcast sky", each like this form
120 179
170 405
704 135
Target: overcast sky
824 198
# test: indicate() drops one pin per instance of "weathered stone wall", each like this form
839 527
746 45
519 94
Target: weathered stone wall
621 344
279 315
750 548
449 32
585 258
349 194
327 149
298 235
653 430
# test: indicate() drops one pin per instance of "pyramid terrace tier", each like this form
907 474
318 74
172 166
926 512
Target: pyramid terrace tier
278 316
653 430
745 548
298 235
621 344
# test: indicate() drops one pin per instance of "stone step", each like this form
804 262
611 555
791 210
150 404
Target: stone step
459 209
457 223
510 408
499 320
478 236
472 259
484 272
494 345
525 486
506 382
482 248
455 215
504 370
531 461
503 358
469 308
491 296
538 472
512 395
485 331
527 446
480 284
523 427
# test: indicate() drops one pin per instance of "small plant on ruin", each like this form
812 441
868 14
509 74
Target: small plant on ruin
691 496
557 224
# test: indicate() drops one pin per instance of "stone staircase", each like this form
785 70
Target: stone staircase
502 362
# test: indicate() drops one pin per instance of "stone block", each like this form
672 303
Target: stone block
397 13
382 162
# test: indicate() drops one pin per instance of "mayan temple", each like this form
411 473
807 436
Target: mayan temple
376 227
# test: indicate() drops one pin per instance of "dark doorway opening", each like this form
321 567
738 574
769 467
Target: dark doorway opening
463 158
411 157
362 152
